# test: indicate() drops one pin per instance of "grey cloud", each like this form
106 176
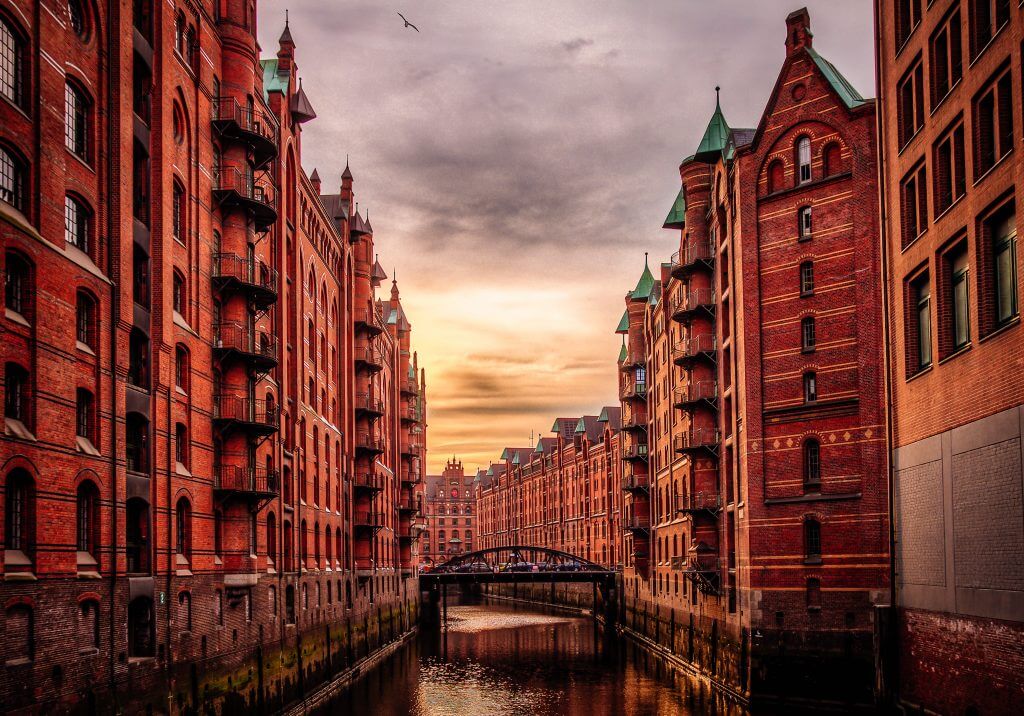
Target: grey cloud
575 45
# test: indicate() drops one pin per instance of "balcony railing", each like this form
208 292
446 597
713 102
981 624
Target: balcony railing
251 125
232 270
367 320
369 403
632 482
702 345
636 451
411 447
410 503
409 386
636 523
369 481
368 519
697 439
633 389
692 502
257 481
633 419
259 347
369 442
692 254
688 302
260 415
236 187
688 395
370 357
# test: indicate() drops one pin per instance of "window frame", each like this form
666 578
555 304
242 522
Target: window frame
806 278
949 167
803 160
810 385
805 223
808 334
77 224
999 127
77 120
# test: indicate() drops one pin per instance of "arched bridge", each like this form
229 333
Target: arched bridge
516 564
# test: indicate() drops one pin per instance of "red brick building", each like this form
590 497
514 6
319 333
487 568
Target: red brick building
950 119
449 515
213 426
561 494
759 351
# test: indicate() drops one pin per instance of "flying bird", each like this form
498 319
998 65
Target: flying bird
407 23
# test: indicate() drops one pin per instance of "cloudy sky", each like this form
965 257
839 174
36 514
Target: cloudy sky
517 158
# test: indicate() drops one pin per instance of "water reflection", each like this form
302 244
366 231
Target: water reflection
509 661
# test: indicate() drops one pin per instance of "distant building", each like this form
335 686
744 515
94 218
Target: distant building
951 120
449 514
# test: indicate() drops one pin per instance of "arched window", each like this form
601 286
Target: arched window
327 547
76 121
89 624
179 33
181 444
12 63
183 527
803 160
812 540
832 159
337 544
137 442
17 283
810 387
141 639
776 176
77 18
140 276
17 396
85 319
808 334
191 47
138 359
184 620
13 178
19 518
19 633
85 423
87 522
179 296
178 217
806 278
137 535
271 537
316 544
76 225
181 368
812 463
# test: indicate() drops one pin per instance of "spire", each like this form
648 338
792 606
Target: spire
347 174
645 285
394 288
715 136
286 36
676 218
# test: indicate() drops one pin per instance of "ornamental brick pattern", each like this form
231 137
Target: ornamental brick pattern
214 427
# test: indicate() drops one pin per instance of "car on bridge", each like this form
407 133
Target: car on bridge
474 568
520 567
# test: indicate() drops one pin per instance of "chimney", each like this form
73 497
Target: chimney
798 31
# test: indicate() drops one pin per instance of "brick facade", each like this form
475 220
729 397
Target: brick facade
198 382
950 120
448 515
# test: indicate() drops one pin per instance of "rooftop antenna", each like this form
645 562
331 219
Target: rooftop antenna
717 96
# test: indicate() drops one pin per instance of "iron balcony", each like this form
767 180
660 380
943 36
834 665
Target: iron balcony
367 442
633 390
257 483
369 404
368 520
701 391
698 347
257 348
699 502
235 188
636 451
366 320
693 301
633 482
636 523
409 504
368 482
369 357
257 417
250 125
634 420
409 386
253 277
693 255
697 439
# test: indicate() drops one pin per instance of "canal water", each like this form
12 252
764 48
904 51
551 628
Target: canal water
500 659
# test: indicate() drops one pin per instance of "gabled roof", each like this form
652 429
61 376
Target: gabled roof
335 207
590 427
644 286
846 91
612 415
676 218
545 445
565 427
715 136
517 456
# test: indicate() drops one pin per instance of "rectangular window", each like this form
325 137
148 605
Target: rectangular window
987 18
921 293
993 123
178 208
949 168
908 16
83 414
75 122
958 298
806 278
910 107
805 223
997 256
914 202
809 337
946 55
810 387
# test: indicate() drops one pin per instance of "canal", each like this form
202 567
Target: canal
500 659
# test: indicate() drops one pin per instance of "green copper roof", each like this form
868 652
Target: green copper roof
645 285
622 353
715 136
840 84
603 417
623 323
676 218
272 81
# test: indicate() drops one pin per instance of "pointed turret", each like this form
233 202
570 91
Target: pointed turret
645 285
715 136
394 288
302 110
676 218
286 50
314 179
